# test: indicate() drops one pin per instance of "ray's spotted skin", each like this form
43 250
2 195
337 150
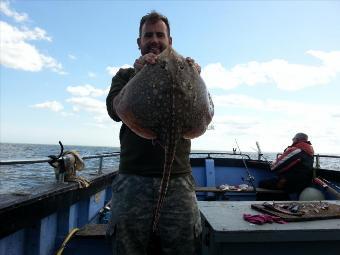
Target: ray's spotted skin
170 90
166 101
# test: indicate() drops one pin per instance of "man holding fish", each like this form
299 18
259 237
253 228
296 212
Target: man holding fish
154 206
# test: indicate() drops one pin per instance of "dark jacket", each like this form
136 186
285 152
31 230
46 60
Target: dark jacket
297 157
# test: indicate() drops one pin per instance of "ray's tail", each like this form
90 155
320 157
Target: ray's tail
154 245
170 149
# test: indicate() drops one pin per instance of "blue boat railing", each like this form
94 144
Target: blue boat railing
317 158
215 154
209 154
60 177
102 156
114 154
47 160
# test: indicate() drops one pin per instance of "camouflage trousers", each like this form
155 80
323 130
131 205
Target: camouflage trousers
134 199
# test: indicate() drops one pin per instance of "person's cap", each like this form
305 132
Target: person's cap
301 136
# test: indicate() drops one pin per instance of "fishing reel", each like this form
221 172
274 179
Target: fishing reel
57 162
250 179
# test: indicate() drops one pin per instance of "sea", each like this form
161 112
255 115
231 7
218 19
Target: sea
20 178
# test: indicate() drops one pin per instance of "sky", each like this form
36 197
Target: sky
271 67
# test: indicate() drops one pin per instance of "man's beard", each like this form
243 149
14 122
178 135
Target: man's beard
154 48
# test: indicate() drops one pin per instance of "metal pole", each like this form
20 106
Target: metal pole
100 169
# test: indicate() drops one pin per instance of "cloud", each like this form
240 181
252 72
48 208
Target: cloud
273 105
5 9
18 53
54 106
329 59
82 101
285 75
72 57
91 74
86 90
88 104
272 122
274 134
96 125
95 107
67 114
237 100
112 70
235 126
236 121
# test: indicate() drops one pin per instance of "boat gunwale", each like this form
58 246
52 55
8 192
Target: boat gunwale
21 212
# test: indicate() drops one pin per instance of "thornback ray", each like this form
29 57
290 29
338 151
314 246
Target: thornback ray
166 101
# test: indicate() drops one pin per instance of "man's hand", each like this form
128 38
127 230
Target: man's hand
149 58
192 63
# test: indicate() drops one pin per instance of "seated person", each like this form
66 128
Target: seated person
294 168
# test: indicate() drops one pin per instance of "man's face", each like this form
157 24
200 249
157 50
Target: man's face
154 38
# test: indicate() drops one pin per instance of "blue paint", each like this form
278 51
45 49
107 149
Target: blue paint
260 174
32 239
63 225
108 194
83 212
199 174
63 221
73 217
48 233
96 203
210 175
230 175
67 220
13 244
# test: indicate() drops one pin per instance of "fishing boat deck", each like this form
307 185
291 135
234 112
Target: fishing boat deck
24 208
226 232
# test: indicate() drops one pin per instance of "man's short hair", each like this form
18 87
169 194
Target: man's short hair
152 18
301 136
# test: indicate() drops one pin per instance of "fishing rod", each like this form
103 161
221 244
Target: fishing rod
260 154
250 177
325 185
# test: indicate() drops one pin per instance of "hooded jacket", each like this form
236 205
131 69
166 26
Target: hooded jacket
297 157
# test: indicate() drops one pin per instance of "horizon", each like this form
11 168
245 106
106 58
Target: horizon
192 150
272 69
117 147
